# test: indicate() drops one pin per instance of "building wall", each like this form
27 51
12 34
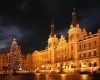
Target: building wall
3 62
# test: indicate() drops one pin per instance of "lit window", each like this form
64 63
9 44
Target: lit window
84 65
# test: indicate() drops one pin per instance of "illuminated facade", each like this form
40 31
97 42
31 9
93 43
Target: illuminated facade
28 62
77 51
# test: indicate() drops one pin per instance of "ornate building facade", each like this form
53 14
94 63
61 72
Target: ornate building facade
79 51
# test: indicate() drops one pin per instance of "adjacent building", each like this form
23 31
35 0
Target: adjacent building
3 62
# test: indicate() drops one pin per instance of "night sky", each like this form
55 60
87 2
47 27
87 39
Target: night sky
29 21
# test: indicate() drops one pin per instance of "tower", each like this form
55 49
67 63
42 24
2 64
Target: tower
74 32
52 44
53 40
14 56
74 35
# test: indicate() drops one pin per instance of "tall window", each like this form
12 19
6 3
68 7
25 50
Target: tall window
80 65
89 44
95 64
79 55
79 46
84 65
94 53
71 65
84 54
89 54
89 64
84 45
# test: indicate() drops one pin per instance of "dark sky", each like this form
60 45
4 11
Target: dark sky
29 21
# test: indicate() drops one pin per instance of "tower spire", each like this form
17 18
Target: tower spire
52 28
74 20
